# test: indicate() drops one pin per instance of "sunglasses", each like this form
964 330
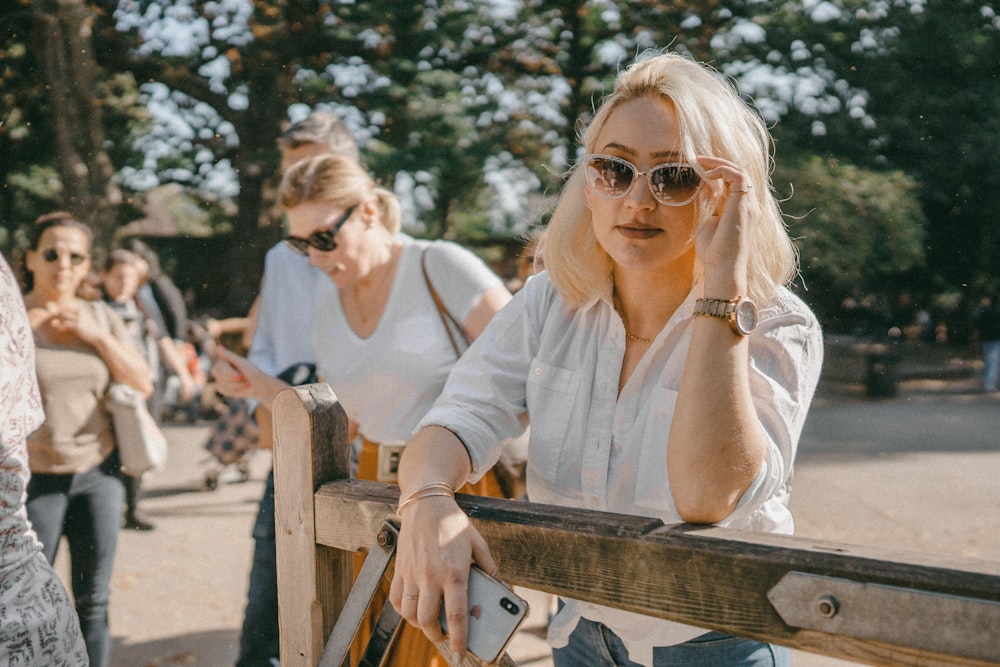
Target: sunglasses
52 255
671 183
323 240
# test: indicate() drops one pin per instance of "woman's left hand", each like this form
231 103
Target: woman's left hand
437 544
722 238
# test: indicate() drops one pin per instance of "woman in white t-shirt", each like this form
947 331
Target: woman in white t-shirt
379 337
653 385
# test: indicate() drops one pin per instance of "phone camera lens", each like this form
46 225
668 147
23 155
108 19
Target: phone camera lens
509 605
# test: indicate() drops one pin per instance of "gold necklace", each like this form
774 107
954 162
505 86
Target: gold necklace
637 339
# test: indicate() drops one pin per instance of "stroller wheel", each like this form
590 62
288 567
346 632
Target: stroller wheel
211 481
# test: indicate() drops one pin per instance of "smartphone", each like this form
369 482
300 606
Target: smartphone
495 614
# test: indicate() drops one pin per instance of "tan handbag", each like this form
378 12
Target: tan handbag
141 444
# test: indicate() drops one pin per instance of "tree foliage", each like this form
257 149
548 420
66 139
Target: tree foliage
857 229
469 109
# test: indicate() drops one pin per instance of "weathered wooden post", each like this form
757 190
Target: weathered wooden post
310 447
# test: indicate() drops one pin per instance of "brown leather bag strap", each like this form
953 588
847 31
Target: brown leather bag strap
447 319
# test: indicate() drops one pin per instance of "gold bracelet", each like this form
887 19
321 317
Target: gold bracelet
426 491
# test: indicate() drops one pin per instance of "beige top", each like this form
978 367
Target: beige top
77 434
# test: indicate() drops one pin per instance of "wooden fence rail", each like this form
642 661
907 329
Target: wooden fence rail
866 604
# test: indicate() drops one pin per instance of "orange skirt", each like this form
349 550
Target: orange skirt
411 648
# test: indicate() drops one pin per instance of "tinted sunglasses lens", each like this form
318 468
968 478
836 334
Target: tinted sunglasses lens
674 183
609 177
324 240
52 255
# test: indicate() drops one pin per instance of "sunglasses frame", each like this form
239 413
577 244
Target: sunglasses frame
323 239
51 255
636 173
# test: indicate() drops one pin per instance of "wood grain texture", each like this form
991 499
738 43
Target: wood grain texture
707 576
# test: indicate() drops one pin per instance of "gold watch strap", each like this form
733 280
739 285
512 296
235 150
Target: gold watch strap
720 308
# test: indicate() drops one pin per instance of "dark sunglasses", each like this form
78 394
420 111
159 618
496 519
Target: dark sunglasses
671 183
323 240
52 255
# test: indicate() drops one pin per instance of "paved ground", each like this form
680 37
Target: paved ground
917 471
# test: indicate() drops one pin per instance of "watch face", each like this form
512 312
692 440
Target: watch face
746 316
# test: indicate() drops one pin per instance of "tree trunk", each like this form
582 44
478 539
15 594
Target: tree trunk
62 39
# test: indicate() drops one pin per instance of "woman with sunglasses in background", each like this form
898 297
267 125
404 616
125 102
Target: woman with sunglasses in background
378 336
38 626
664 367
81 347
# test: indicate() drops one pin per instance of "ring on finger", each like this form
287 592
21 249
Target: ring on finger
410 596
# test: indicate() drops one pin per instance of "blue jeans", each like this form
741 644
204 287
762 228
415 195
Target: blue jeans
259 645
991 364
594 645
87 508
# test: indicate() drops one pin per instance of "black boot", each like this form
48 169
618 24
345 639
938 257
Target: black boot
134 519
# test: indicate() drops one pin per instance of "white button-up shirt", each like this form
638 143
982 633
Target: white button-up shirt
591 447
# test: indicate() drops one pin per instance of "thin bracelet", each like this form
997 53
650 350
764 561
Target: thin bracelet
426 491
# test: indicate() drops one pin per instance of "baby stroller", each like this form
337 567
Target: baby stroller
236 434
233 440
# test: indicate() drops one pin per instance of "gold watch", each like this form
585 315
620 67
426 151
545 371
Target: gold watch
741 312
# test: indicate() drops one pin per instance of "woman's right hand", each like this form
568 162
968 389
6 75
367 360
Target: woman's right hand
238 378
437 545
229 377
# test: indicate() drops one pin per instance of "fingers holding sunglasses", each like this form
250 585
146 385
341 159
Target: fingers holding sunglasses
735 180
722 241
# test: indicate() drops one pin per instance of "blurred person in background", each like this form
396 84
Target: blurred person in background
123 275
282 321
81 347
987 323
38 625
163 301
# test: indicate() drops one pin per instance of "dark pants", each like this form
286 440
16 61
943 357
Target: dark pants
595 645
259 645
87 509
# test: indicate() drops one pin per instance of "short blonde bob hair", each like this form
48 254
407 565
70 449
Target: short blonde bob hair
714 121
340 181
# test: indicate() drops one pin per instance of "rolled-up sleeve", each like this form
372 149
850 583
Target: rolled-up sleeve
785 362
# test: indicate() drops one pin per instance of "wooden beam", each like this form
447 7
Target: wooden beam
846 601
707 576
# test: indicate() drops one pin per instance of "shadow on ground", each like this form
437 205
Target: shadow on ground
214 648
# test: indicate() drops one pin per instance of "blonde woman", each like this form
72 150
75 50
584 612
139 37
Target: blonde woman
664 367
379 339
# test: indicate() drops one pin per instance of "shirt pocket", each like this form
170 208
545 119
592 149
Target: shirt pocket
652 486
550 394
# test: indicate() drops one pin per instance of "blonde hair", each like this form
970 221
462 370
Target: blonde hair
340 181
712 120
